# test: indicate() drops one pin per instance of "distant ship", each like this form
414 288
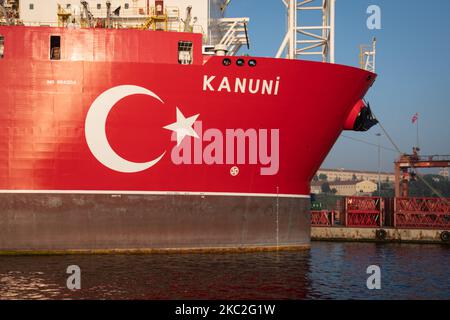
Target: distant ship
118 138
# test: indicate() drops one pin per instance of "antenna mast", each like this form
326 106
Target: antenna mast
367 56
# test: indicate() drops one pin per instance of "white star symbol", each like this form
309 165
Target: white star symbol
183 127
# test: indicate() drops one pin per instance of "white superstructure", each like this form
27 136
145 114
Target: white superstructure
198 16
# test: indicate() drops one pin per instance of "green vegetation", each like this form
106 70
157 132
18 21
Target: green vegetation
387 190
419 189
326 202
326 187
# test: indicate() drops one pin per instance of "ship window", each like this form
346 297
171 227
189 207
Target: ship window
2 46
185 52
127 5
55 48
99 6
31 6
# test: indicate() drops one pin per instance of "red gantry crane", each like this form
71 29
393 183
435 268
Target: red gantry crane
419 212
407 162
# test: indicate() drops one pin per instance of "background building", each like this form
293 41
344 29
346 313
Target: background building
354 175
346 188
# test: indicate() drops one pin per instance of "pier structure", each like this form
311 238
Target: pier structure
391 235
385 219
401 218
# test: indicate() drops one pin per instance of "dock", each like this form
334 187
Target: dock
413 220
425 236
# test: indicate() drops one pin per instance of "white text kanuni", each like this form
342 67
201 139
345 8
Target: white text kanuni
232 147
244 85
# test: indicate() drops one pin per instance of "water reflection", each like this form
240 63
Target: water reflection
327 271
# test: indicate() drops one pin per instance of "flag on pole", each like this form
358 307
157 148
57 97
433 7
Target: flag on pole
415 118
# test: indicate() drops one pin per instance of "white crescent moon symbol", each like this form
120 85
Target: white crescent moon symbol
95 129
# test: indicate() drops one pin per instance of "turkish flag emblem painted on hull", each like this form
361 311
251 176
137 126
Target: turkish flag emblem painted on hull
234 146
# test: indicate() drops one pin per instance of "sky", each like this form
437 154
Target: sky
413 67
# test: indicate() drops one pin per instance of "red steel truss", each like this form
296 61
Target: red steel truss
408 213
413 213
322 218
364 212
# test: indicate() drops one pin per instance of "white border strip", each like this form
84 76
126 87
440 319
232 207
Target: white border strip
159 193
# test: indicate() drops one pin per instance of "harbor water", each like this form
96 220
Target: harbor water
327 271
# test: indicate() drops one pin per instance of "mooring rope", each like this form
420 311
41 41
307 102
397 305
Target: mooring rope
368 143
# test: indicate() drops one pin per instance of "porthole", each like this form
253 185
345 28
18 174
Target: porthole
226 62
252 63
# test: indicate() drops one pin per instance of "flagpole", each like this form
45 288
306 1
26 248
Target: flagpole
418 146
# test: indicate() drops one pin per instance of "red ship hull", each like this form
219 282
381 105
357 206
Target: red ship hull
89 156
